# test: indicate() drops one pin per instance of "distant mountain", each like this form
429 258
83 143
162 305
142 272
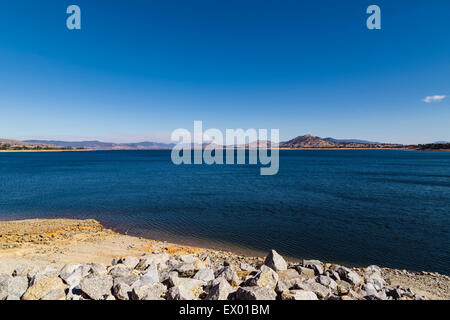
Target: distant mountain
441 142
99 145
309 141
351 141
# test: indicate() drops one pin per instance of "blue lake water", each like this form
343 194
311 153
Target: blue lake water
390 208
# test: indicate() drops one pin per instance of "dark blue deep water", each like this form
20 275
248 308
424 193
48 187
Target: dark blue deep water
390 208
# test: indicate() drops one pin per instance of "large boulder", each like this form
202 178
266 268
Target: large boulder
185 258
185 269
42 287
73 278
150 277
348 275
316 265
121 290
228 273
4 281
275 261
265 278
154 291
38 273
130 262
119 270
188 287
255 293
99 268
17 287
299 295
320 290
205 274
97 286
180 293
220 290
328 282
288 274
56 294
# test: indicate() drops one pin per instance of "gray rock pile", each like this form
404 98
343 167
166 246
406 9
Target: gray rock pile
160 276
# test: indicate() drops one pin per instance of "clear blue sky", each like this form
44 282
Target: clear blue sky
139 69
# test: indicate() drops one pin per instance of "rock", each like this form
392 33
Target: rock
246 267
22 270
42 287
193 286
119 270
288 274
373 269
186 269
185 258
128 280
320 290
348 275
305 273
147 260
4 281
316 265
265 278
150 277
298 295
129 262
97 286
255 293
333 275
328 282
220 290
72 279
285 285
149 292
37 274
228 274
275 261
372 294
85 269
204 275
376 280
56 294
68 269
370 289
98 268
180 293
198 264
17 286
121 291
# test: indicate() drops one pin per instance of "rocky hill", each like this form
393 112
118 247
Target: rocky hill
312 142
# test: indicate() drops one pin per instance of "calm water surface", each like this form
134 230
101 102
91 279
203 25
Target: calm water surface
390 208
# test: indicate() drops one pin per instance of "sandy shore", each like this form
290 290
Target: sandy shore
57 242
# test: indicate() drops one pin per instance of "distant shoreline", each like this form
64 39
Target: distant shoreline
284 149
9 151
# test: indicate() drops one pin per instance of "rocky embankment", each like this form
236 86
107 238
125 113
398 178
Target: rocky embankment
157 270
